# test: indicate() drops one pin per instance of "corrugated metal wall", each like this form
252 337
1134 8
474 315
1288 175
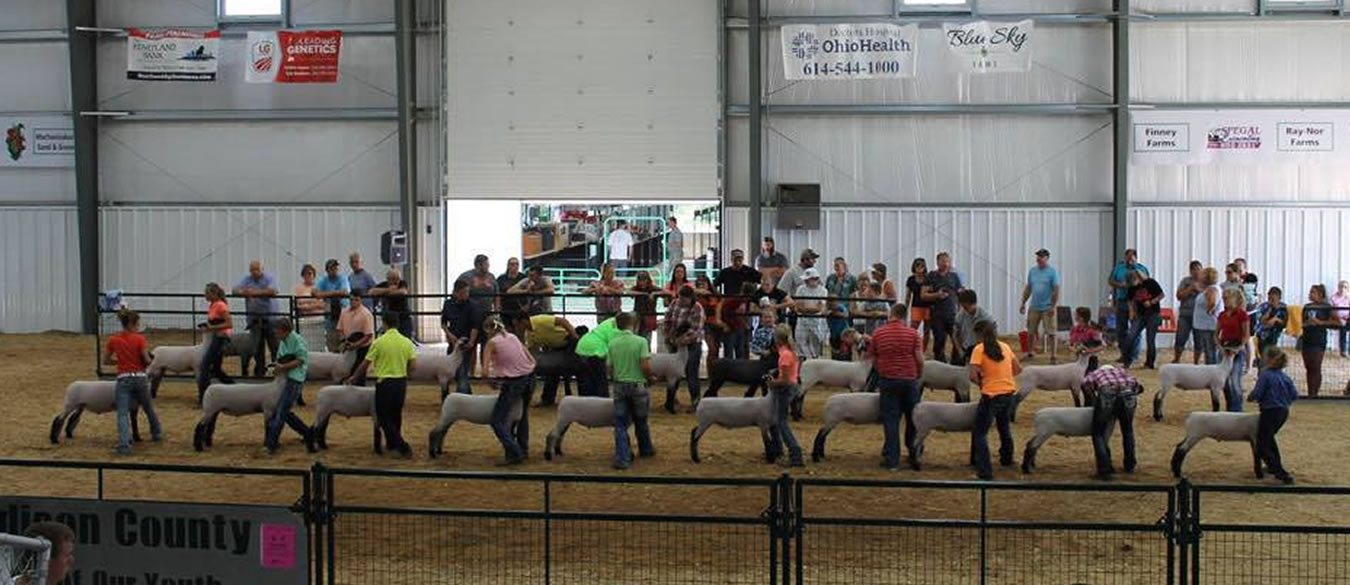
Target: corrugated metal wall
40 289
992 248
1292 248
180 249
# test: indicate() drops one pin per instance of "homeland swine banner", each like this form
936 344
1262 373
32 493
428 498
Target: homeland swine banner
37 141
849 51
293 56
146 543
990 47
172 54
1196 137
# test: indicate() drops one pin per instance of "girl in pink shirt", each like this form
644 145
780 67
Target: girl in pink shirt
506 359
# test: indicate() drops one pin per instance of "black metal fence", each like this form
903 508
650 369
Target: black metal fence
378 526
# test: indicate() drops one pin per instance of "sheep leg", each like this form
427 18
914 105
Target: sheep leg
1215 392
55 435
553 444
818 451
376 436
1256 461
436 440
1077 396
211 430
772 447
798 406
1179 454
321 430
1158 403
155 379
135 426
714 385
917 448
201 434
1029 456
694 435
73 421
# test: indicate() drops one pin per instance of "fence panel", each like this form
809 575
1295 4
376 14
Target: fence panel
934 532
536 528
1228 548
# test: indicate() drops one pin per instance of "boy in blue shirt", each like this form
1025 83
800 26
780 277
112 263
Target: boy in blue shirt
1275 393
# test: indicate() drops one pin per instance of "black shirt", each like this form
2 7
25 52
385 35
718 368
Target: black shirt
915 288
950 282
394 303
1314 337
511 304
776 297
1148 289
462 317
732 279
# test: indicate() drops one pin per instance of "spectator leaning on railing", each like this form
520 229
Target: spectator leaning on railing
260 307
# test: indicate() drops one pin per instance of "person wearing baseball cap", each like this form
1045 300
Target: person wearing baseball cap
1042 289
812 330
334 289
793 278
732 281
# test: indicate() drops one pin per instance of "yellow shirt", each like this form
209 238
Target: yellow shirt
389 356
998 378
545 333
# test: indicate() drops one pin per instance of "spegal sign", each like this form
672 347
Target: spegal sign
849 51
139 543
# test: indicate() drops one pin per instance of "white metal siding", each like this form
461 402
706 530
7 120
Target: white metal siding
993 248
590 99
180 249
1291 248
41 289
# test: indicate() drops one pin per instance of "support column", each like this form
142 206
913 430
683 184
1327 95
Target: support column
83 49
1120 207
756 132
405 28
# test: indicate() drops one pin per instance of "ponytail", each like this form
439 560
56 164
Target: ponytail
992 348
493 326
129 318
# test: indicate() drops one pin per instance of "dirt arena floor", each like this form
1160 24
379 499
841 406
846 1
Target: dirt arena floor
38 367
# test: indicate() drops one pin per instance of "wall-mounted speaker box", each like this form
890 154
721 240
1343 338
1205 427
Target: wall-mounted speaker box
393 248
799 206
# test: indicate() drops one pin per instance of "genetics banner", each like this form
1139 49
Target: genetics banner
849 51
286 56
1197 137
990 47
172 54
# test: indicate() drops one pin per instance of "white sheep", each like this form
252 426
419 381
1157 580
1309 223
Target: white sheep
943 376
436 367
1193 377
329 367
670 367
1057 377
852 375
732 413
948 417
348 401
855 408
97 397
1061 421
473 408
235 400
1220 426
592 412
172 359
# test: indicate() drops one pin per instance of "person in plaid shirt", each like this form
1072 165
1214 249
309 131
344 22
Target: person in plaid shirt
1114 391
684 328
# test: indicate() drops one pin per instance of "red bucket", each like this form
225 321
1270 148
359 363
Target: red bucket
1024 339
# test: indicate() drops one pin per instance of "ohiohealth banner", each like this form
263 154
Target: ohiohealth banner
286 56
1196 137
849 51
172 54
41 141
990 47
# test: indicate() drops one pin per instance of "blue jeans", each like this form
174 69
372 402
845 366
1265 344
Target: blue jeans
1207 345
1184 332
1232 389
898 398
282 415
128 389
992 410
1144 325
512 394
691 372
782 432
462 374
733 343
1129 351
632 403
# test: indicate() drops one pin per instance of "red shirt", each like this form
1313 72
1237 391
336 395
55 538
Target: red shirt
894 345
128 347
1230 325
788 365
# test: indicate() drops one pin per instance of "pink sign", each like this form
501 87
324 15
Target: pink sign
278 546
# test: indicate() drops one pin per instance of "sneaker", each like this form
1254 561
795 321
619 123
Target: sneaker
157 439
1287 479
122 450
984 476
648 454
621 464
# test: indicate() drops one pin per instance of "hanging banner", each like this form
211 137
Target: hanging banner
172 54
293 56
145 543
990 47
1195 137
47 141
849 51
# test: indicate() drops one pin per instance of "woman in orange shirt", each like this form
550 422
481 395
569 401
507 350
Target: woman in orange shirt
218 330
786 388
993 366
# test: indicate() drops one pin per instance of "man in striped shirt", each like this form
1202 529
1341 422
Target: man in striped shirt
1113 391
897 352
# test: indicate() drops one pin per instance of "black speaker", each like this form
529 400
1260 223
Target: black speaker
393 248
799 206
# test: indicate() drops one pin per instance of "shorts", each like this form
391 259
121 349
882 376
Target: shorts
1037 318
918 313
